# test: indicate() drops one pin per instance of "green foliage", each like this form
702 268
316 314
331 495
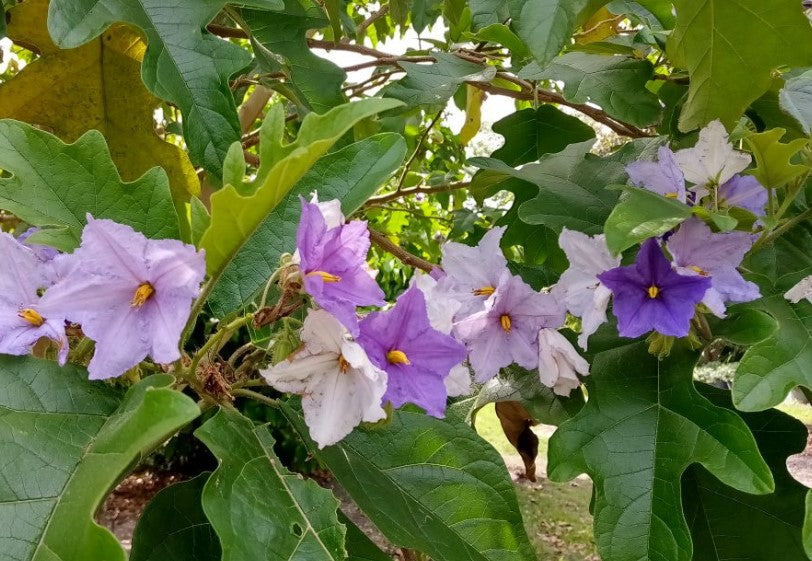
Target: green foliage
545 25
183 64
359 546
773 157
745 326
728 70
71 442
637 434
174 526
446 494
256 505
616 83
351 174
55 185
796 99
640 215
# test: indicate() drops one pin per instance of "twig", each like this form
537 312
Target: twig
410 211
381 241
242 392
412 158
253 106
227 32
444 188
360 31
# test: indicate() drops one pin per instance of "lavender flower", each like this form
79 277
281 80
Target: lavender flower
132 295
472 273
416 356
339 386
698 251
506 331
333 265
663 176
743 191
23 318
650 295
559 362
712 161
579 288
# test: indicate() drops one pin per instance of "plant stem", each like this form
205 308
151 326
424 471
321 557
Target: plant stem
256 396
215 340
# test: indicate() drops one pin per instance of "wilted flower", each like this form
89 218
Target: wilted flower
333 265
23 318
416 356
712 161
506 331
339 386
651 295
698 251
559 362
800 291
579 288
743 191
131 294
663 176
472 273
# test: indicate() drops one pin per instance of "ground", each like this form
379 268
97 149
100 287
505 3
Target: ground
556 515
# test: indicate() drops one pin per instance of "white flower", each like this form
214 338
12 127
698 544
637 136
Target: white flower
712 159
473 273
339 386
800 291
559 362
441 309
579 288
330 210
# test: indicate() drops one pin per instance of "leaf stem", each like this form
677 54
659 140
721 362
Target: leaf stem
256 396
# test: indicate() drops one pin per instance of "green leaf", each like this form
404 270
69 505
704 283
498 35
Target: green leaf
744 325
640 215
70 441
235 218
728 524
257 506
174 526
773 157
501 34
616 83
351 175
234 168
359 546
796 99
770 369
713 40
447 493
487 12
530 133
199 219
183 64
284 34
57 184
640 430
545 25
434 84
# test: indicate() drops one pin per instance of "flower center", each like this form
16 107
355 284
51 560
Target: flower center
325 276
696 269
31 316
504 319
143 293
343 365
670 195
397 357
484 291
653 291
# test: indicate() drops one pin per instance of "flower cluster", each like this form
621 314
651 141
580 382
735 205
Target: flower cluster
131 295
473 309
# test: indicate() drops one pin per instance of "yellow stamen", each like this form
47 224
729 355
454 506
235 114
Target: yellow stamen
670 195
504 319
696 269
343 365
326 277
143 293
397 357
653 291
484 291
31 316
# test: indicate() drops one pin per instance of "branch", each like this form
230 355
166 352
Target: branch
360 31
227 32
416 151
381 241
444 188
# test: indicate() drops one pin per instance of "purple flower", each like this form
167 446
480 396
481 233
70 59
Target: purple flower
698 251
132 295
744 191
650 295
416 357
333 265
23 319
43 252
506 331
663 176
472 273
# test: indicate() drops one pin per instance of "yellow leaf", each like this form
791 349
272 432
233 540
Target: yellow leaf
95 86
600 26
473 114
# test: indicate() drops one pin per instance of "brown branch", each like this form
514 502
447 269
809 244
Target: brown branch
432 189
253 106
360 31
381 241
227 32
